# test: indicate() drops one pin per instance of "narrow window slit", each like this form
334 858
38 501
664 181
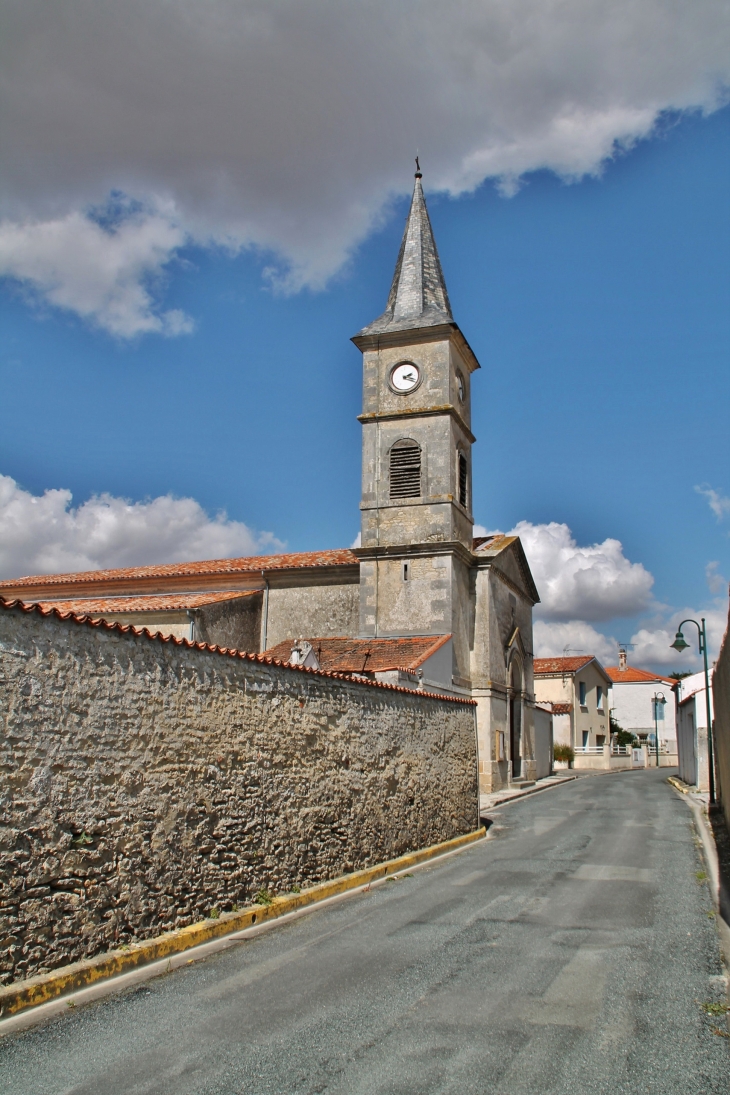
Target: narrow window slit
463 479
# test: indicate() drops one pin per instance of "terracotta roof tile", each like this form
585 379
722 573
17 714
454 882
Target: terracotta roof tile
629 675
222 567
344 655
249 563
262 659
167 602
543 666
561 708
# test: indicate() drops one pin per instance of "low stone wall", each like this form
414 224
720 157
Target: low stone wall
147 781
605 761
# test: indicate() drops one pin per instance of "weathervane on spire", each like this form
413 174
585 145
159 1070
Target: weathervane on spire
418 169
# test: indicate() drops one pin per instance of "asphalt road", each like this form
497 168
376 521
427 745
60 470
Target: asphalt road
570 953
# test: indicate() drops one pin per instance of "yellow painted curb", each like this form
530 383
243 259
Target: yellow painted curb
39 990
678 785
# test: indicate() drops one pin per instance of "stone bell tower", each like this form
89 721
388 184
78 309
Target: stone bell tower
417 522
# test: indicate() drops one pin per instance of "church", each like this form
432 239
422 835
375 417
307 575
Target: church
420 603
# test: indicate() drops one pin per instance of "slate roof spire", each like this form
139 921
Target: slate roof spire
418 296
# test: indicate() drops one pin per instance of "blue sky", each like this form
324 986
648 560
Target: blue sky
599 312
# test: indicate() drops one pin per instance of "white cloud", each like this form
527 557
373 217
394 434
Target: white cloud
43 534
653 646
583 585
650 646
593 582
101 274
290 126
717 501
716 582
553 639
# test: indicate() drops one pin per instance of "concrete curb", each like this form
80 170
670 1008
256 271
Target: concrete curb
707 840
529 791
678 785
47 987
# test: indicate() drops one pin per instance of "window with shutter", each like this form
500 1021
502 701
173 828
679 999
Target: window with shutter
463 476
405 470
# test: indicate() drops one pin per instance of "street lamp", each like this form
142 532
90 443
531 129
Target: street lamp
680 644
657 698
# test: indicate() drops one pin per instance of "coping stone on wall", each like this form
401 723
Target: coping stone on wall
130 629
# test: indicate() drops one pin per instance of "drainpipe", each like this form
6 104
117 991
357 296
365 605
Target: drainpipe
191 617
265 613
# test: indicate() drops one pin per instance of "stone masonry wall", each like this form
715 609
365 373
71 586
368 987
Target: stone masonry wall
145 782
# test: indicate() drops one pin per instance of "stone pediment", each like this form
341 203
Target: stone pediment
507 556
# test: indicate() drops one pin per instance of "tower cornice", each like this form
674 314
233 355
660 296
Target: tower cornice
412 337
410 551
419 412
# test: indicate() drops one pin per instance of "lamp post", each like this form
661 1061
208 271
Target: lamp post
657 698
680 645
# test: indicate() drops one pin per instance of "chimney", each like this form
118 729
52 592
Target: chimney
302 653
621 659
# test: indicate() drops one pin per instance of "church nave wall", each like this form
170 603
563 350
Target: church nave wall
307 611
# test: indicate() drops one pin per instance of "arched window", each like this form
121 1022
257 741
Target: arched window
463 480
405 469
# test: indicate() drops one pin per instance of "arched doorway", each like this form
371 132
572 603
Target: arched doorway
515 720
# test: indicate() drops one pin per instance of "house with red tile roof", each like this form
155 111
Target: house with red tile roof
421 598
577 690
638 697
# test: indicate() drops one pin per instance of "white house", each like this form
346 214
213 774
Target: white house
636 698
692 730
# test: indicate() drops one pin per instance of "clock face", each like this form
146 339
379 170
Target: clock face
405 377
460 386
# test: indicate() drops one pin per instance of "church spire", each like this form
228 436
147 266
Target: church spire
418 296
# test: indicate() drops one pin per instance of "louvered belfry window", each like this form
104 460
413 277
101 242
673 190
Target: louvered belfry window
463 474
405 470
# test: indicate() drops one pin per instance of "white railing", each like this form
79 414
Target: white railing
620 750
589 750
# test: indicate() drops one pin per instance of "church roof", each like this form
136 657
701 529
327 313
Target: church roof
169 586
418 296
249 563
343 655
166 602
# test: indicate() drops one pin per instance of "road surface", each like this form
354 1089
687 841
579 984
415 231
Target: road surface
572 952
